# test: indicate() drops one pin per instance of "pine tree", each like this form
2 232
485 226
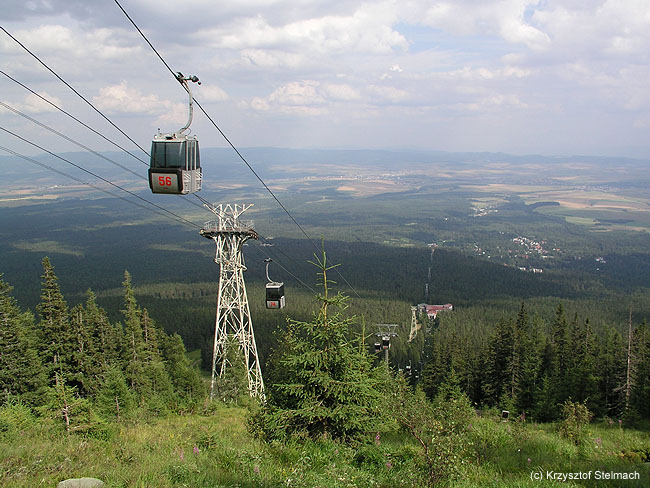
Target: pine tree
185 378
584 374
328 386
56 340
233 387
64 404
502 365
612 365
640 395
106 336
133 349
114 399
144 367
561 358
86 361
20 365
529 361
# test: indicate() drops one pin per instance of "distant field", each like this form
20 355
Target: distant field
599 210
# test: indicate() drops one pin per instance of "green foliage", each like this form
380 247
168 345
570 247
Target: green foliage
576 416
20 366
56 341
232 387
440 428
15 417
114 399
326 386
65 407
640 398
147 452
186 380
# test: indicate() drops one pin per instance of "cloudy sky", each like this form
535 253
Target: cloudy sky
546 77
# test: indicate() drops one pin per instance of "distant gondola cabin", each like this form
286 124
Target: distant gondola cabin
175 164
275 295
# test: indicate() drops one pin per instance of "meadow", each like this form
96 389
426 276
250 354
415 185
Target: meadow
214 449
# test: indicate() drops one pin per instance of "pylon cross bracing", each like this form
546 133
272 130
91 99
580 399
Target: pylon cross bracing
414 324
233 317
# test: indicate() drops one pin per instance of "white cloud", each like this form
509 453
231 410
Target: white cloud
416 61
305 97
210 93
299 98
367 30
503 18
33 104
66 42
342 92
271 58
390 94
122 98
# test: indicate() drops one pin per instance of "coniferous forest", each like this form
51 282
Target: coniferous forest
542 367
476 405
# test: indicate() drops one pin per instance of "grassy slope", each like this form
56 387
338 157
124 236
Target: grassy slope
215 451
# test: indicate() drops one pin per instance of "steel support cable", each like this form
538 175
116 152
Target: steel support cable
178 217
74 118
66 175
75 91
259 248
31 119
69 139
86 126
234 148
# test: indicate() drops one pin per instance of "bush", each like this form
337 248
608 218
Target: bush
369 457
488 436
15 417
440 428
575 417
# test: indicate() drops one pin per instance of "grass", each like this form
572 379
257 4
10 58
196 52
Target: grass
217 451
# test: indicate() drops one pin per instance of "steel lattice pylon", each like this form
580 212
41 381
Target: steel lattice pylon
233 313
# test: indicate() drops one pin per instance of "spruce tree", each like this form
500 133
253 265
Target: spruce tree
640 396
612 365
233 387
56 342
561 359
144 367
529 360
185 378
20 365
584 368
133 349
106 336
328 385
86 361
502 366
114 399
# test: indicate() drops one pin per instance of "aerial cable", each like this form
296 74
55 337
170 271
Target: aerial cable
100 177
285 269
83 124
234 148
75 91
40 124
66 175
74 118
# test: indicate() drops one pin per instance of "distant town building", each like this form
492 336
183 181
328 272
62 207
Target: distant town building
432 310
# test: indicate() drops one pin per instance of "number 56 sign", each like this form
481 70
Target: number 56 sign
164 183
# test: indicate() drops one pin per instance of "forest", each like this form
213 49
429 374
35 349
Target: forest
72 374
104 371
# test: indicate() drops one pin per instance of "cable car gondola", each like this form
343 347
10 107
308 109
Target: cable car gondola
274 291
175 165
